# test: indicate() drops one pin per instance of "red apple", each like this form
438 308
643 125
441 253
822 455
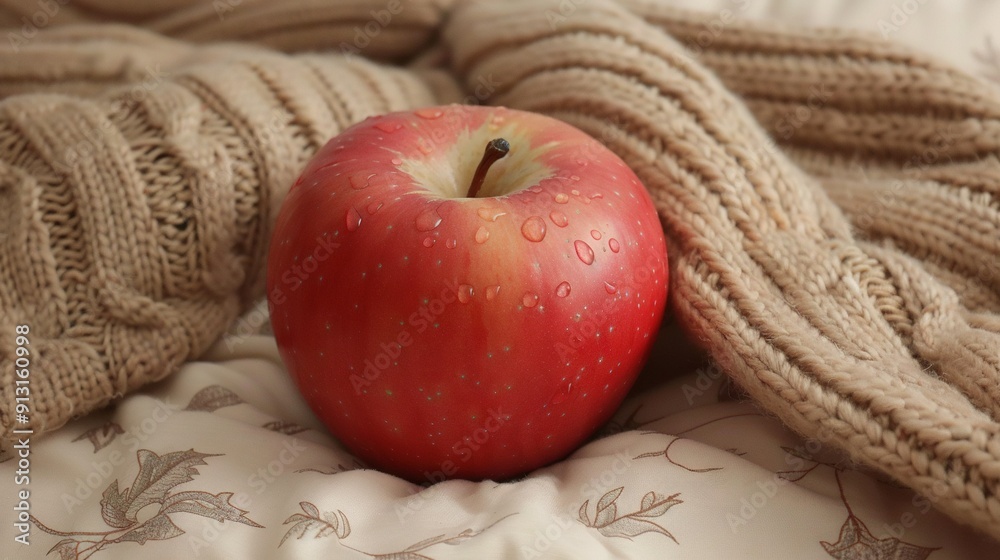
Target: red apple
441 335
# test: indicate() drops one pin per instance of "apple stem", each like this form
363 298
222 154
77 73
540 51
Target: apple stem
495 149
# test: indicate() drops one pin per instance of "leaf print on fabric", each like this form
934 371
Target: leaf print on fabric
608 523
324 524
665 453
629 424
213 398
856 542
157 477
102 435
355 464
282 427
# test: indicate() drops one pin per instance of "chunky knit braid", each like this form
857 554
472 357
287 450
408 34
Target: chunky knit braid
845 273
848 341
136 222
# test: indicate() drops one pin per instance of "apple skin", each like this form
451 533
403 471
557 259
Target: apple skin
439 336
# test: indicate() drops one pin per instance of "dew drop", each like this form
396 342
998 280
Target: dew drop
353 219
429 113
451 243
584 251
465 293
388 127
374 207
563 394
358 182
490 214
614 245
581 162
574 178
530 299
396 161
574 192
563 289
561 198
558 218
596 195
533 229
482 235
491 292
595 234
428 242
535 189
428 220
424 146
610 288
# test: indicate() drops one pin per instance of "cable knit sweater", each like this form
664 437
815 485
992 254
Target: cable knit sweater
831 200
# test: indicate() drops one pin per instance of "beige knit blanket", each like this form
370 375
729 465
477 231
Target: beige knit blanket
832 201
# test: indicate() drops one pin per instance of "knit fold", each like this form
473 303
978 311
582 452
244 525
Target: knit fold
831 200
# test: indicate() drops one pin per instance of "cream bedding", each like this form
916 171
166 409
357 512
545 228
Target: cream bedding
224 460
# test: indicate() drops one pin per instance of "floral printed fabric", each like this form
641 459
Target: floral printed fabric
224 460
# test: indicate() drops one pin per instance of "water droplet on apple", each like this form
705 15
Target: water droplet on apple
610 288
563 394
581 162
561 198
465 293
530 299
615 246
595 234
451 243
533 229
424 146
428 220
490 214
558 218
429 113
596 195
429 242
491 292
482 234
353 219
374 207
388 127
584 251
574 178
563 289
497 120
360 181
535 189
396 161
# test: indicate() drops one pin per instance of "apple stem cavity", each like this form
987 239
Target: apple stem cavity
495 149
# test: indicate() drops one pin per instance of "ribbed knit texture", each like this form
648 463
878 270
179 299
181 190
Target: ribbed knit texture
832 201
